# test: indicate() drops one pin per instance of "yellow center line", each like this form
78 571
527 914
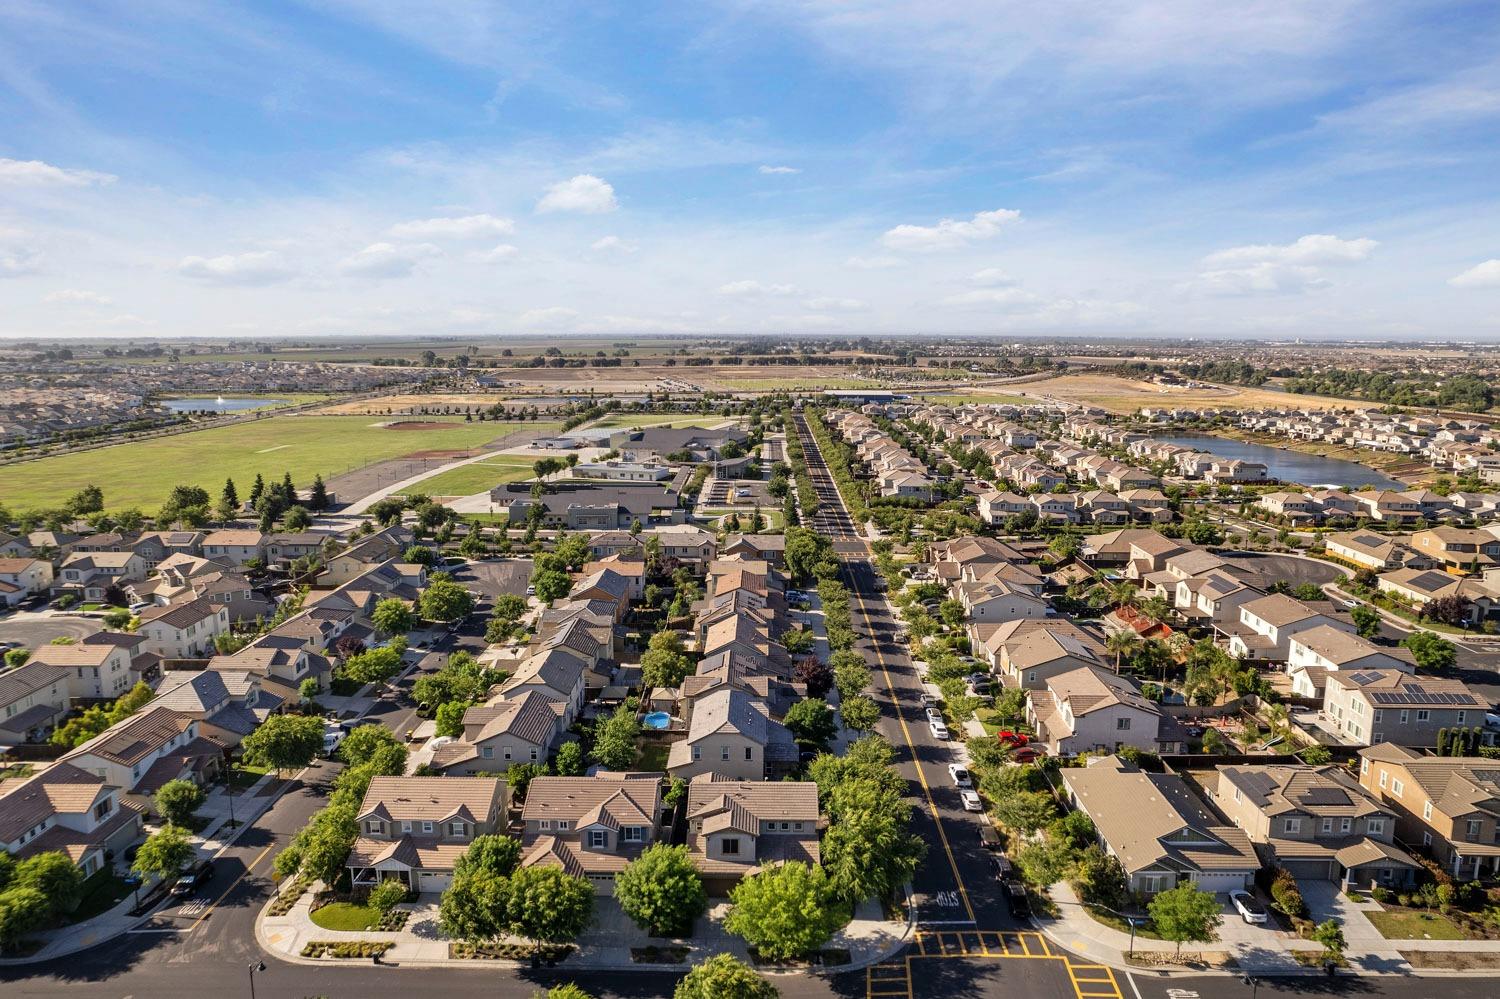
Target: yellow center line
248 868
890 684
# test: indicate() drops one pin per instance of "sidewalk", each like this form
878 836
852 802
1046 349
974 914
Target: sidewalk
606 945
216 837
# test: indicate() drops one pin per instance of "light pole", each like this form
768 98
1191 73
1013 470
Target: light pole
1130 921
255 966
1254 984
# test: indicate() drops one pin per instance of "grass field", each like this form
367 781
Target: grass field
793 380
1411 924
142 473
467 480
978 397
1124 395
393 404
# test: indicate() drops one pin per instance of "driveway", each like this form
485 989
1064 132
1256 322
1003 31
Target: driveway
1365 947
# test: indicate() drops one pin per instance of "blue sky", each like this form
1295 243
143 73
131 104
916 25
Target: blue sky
1267 169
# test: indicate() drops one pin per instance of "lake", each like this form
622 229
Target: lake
1289 466
223 404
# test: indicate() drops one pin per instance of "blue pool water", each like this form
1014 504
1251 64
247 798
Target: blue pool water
657 720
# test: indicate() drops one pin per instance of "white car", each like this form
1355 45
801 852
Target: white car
970 800
1248 907
933 714
939 730
960 775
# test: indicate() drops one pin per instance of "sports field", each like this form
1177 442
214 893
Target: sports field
142 473
466 480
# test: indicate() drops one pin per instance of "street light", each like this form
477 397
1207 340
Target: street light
1254 984
1130 920
254 967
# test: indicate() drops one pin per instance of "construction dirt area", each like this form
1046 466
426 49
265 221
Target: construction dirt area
1124 395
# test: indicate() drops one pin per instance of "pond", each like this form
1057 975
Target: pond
221 404
1289 466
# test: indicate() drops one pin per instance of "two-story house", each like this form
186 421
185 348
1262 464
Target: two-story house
1266 625
67 810
414 829
1316 652
732 733
735 828
235 546
1316 822
95 671
89 575
148 749
501 733
185 630
33 699
591 827
23 578
1369 706
1448 804
1092 708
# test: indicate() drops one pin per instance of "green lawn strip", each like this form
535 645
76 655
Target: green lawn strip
142 473
346 916
652 757
469 479
1415 924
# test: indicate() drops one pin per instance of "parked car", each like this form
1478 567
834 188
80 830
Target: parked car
989 836
1248 907
194 879
1003 870
333 734
970 800
960 775
1017 900
938 729
933 714
929 701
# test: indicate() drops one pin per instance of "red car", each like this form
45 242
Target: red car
1013 738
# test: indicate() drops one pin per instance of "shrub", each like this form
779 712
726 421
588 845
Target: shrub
346 948
387 895
1287 896
1380 894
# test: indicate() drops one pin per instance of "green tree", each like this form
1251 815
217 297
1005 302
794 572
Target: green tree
569 762
850 677
286 742
491 854
392 617
664 667
1331 935
177 800
614 740
450 718
551 584
1185 914
724 977
475 906
1431 651
360 746
784 911
21 911
859 713
373 665
1027 811
1045 862
296 518
54 875
510 606
445 600
811 721
387 895
868 851
567 990
118 619
318 497
164 854
549 904
1366 620
662 890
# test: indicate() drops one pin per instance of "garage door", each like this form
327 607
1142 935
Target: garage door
1218 883
429 881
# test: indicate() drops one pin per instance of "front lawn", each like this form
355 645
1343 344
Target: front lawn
102 891
346 916
1415 924
244 775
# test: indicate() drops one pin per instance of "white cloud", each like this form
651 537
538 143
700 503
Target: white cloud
780 169
499 254
584 194
991 277
949 234
1309 251
18 260
555 317
388 260
35 173
1005 298
1265 278
755 289
465 227
826 304
77 296
260 267
874 263
613 244
1485 275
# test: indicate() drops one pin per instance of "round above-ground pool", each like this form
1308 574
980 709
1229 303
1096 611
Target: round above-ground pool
657 720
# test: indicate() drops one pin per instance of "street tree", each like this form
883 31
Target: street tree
22 910
1431 651
662 891
177 800
1186 913
784 911
373 665
164 854
859 713
811 721
393 617
445 600
548 904
724 976
54 875
285 742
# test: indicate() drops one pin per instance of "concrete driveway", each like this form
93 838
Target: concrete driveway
1365 947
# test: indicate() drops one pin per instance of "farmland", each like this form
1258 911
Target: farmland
141 473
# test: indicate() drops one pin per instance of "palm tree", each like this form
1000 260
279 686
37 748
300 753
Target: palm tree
1155 608
1122 643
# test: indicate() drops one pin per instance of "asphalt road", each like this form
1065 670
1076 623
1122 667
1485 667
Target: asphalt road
32 630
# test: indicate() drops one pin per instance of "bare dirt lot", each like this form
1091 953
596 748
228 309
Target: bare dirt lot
1124 395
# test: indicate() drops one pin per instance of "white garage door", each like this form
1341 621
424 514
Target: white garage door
433 882
1219 883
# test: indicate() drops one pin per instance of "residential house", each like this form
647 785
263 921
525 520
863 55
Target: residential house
185 630
732 733
67 810
1160 833
414 829
95 672
1459 549
150 748
1267 623
33 699
591 827
1316 652
735 828
1317 822
500 734
1365 550
1448 804
1367 706
235 546
1091 708
22 578
90 575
